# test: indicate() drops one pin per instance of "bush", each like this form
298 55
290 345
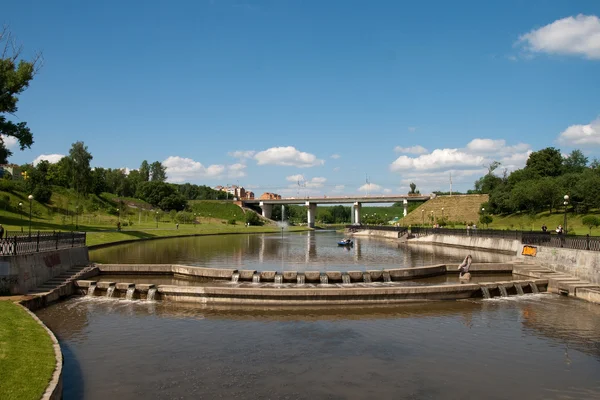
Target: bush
231 222
42 194
252 218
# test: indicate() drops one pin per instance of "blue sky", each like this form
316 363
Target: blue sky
270 93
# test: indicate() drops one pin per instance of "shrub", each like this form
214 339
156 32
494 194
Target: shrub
231 222
252 218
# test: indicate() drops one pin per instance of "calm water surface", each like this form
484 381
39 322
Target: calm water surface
293 251
528 347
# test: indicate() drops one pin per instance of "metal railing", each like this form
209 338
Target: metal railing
388 228
525 237
18 244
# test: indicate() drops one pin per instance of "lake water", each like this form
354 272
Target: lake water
532 347
292 251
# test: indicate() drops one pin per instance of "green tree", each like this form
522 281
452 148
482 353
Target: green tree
252 218
15 75
158 172
545 162
38 182
575 162
145 171
80 158
591 221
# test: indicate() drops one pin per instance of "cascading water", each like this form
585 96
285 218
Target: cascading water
282 213
366 278
503 291
346 279
300 279
486 292
110 291
386 277
129 294
278 279
151 294
256 278
324 279
91 289
235 277
519 289
534 288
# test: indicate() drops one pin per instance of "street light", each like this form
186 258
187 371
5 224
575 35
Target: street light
21 212
423 217
566 203
30 197
76 217
432 218
157 220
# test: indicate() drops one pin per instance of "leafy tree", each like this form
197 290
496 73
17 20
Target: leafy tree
145 171
173 201
158 172
15 75
38 182
79 158
252 218
545 162
575 162
591 221
485 219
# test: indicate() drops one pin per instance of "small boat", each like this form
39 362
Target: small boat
346 242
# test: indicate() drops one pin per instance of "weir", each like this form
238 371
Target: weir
256 278
235 277
151 294
130 292
346 279
323 279
519 289
503 291
91 289
110 291
278 279
386 277
300 279
485 292
367 278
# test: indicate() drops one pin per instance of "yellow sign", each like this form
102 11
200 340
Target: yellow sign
529 251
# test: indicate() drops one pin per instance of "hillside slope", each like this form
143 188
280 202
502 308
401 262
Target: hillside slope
461 209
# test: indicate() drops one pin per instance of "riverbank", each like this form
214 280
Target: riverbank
103 238
27 356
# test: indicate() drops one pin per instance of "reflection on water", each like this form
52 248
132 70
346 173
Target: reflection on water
532 347
295 251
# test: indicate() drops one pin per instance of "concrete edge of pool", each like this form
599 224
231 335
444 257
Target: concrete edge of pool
314 287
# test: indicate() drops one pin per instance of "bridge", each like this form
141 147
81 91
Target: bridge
356 201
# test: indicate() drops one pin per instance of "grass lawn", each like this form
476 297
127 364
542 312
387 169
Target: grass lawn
26 355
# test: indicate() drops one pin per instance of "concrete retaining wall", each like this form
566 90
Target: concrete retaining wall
507 246
20 274
584 264
377 233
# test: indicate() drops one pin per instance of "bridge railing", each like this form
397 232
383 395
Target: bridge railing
388 228
20 243
492 233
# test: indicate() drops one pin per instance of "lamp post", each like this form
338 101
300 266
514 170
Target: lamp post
30 197
195 222
442 212
566 203
76 217
157 220
118 215
422 217
21 212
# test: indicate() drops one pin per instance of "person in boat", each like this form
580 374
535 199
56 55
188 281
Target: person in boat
463 268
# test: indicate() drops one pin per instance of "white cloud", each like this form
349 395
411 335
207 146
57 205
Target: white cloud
338 188
437 160
498 147
316 182
577 135
242 154
295 178
180 169
335 156
236 170
578 35
412 128
387 191
411 150
51 158
9 141
288 157
370 188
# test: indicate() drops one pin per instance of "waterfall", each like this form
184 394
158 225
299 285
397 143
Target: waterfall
534 288
278 279
91 289
129 295
151 294
235 277
346 279
386 276
519 289
503 291
300 279
110 291
366 277
324 279
256 278
486 292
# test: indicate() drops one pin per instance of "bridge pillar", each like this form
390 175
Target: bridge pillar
312 212
267 209
357 213
405 207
